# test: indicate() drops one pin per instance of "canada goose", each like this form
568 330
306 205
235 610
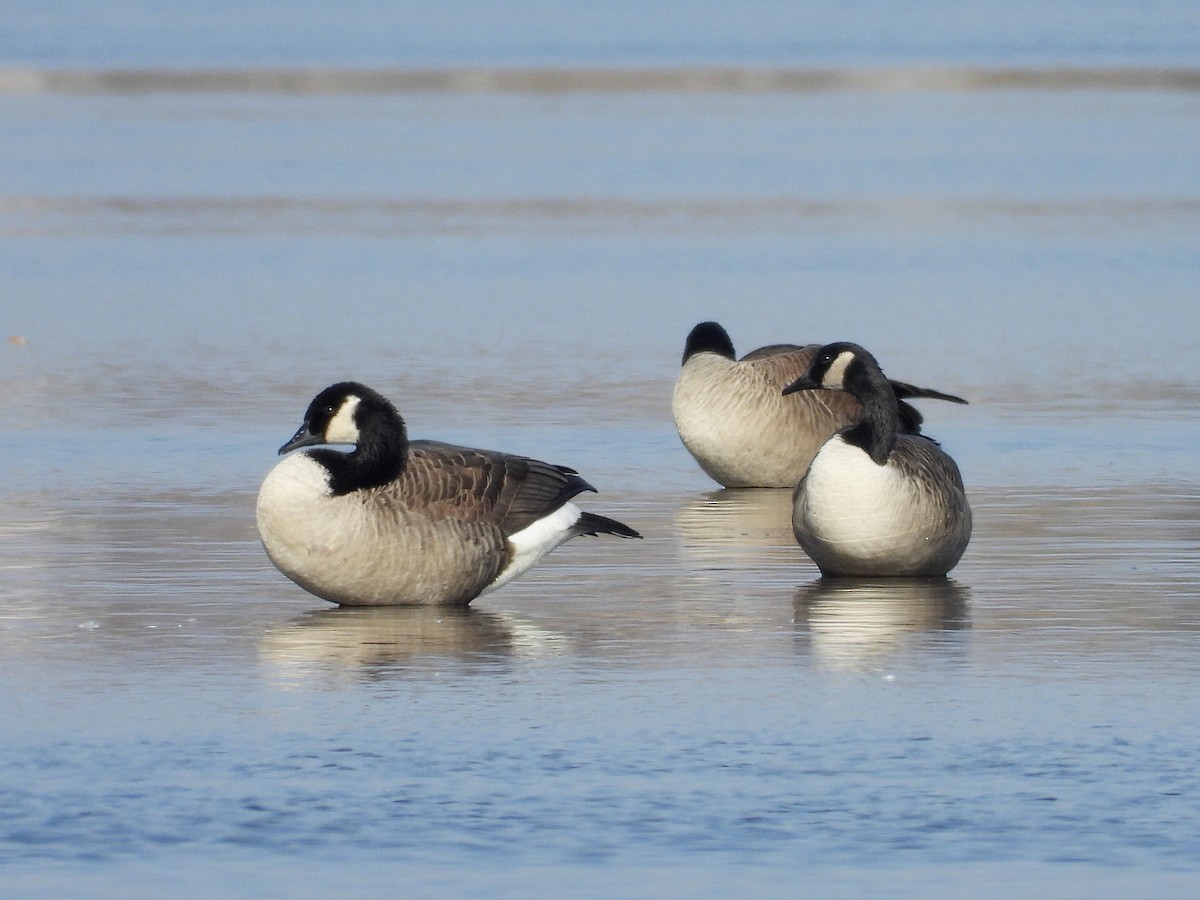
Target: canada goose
399 522
742 431
874 501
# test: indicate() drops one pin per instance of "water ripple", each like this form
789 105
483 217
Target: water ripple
552 80
34 215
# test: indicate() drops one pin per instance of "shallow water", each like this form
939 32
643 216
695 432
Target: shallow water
697 713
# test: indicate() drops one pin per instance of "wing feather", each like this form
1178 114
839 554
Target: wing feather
484 486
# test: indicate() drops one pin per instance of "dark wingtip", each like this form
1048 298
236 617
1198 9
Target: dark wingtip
708 337
576 484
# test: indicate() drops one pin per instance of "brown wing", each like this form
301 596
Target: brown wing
802 355
485 486
921 459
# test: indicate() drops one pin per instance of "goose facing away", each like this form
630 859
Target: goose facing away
876 502
733 418
400 522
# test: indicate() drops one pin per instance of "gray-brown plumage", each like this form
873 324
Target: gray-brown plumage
733 418
400 522
876 502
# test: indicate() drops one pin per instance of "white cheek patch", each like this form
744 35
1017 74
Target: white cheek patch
341 428
835 376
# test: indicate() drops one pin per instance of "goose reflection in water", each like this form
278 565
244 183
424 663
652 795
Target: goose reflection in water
734 525
382 641
861 623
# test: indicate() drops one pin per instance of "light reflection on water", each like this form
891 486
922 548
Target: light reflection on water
854 623
373 643
704 692
1090 565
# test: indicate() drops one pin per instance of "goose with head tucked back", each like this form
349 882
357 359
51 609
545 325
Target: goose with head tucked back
742 431
874 501
400 522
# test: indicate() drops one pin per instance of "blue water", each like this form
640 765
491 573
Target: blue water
559 32
186 262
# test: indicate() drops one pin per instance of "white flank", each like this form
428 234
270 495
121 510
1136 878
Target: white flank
341 428
534 541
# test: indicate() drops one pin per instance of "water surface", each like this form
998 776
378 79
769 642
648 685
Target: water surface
187 263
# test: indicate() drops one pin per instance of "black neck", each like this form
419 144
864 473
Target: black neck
380 457
875 431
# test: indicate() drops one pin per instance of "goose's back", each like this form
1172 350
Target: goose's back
734 419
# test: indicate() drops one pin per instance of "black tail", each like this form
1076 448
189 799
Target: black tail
911 391
910 418
590 523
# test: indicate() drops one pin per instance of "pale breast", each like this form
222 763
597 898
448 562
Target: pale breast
848 500
853 516
366 548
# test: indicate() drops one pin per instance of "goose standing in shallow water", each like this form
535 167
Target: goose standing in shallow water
875 501
733 418
409 522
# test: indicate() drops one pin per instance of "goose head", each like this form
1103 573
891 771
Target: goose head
352 413
841 366
342 414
